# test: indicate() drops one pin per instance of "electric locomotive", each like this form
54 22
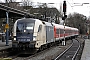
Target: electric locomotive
32 33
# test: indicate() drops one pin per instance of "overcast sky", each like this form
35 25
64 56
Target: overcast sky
79 8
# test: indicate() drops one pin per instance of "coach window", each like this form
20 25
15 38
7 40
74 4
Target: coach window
40 27
57 31
66 31
61 31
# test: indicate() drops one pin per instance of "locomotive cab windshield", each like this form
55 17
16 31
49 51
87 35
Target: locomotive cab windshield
24 30
27 27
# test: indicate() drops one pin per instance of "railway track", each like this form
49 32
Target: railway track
45 54
5 52
8 53
32 55
17 55
71 52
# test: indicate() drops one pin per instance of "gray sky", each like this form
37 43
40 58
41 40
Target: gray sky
71 7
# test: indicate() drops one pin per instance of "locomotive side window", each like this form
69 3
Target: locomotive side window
40 27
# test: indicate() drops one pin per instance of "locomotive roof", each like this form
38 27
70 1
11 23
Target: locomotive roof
48 24
27 19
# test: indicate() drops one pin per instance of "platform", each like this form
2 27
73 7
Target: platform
86 50
3 45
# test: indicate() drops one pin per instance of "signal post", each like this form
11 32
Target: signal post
63 18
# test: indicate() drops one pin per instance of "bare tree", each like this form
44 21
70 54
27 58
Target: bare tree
78 21
61 12
13 4
10 1
27 5
89 18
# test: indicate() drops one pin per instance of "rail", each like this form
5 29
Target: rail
71 52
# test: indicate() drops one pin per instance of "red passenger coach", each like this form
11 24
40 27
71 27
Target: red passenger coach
67 31
59 32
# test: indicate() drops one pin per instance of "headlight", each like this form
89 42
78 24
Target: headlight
15 39
34 38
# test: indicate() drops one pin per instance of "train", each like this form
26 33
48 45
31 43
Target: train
35 33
